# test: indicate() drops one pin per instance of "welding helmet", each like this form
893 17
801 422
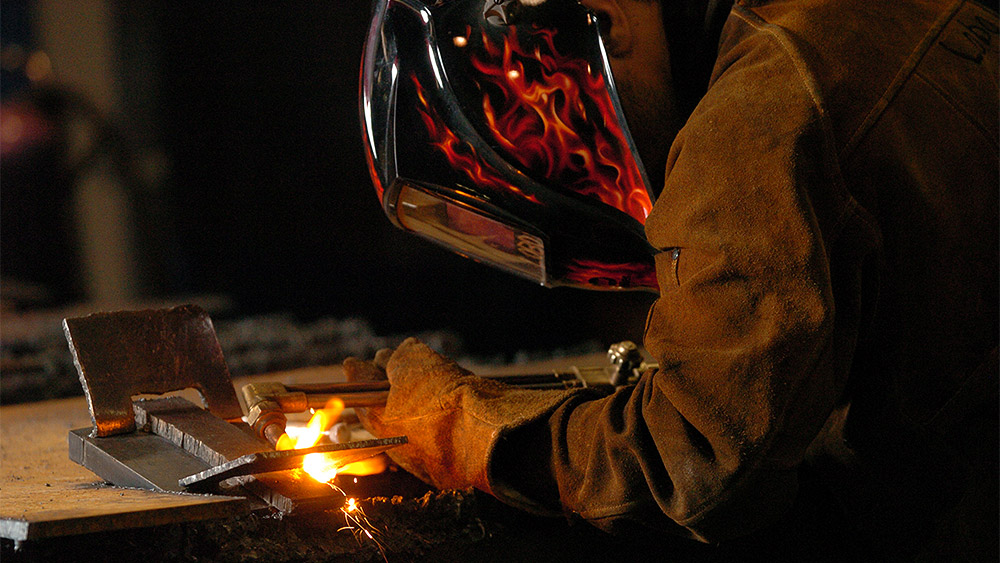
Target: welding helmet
494 128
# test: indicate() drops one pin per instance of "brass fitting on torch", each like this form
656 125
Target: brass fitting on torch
267 404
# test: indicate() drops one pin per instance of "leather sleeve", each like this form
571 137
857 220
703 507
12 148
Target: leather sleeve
753 354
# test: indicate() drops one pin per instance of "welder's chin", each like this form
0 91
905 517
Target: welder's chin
650 112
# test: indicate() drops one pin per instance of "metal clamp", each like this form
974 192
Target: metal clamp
627 361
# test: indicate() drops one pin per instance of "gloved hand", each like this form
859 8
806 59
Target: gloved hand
452 418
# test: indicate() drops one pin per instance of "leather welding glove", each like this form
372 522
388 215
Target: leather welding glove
453 420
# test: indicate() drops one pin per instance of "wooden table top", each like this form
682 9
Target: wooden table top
44 494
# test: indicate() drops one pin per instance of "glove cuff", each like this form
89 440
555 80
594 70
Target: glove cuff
529 406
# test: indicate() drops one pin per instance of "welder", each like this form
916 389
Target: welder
819 218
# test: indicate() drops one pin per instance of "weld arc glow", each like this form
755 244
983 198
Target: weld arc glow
318 466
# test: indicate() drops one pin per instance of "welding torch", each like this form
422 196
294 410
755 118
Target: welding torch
268 402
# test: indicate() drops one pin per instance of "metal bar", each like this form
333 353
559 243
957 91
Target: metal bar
532 379
266 462
354 387
375 393
363 399
198 431
140 460
351 400
338 388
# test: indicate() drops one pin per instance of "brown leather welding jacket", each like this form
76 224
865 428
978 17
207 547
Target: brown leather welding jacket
828 286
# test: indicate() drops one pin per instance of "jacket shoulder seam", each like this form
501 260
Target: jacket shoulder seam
900 79
950 100
754 21
831 158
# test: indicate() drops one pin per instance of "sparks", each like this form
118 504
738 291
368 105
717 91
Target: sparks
322 469
358 524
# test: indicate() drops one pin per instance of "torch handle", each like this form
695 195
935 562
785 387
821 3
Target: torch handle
267 402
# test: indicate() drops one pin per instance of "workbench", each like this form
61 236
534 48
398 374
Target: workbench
43 494
49 504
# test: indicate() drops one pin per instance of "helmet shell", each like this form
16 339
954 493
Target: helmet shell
495 129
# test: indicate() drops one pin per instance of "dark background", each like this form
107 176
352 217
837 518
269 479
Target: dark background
265 195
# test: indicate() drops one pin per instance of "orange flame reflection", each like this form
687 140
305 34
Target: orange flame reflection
318 466
369 466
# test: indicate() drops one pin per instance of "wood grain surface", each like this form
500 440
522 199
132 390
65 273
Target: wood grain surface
44 494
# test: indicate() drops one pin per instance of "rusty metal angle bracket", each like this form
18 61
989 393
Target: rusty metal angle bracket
125 353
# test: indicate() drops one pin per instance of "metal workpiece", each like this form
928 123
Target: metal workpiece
180 447
125 353
140 460
154 443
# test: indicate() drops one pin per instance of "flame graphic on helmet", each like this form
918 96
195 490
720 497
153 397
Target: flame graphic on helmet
542 108
536 107
460 154
594 273
535 110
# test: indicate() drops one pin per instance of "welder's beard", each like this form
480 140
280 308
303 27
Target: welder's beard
648 100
